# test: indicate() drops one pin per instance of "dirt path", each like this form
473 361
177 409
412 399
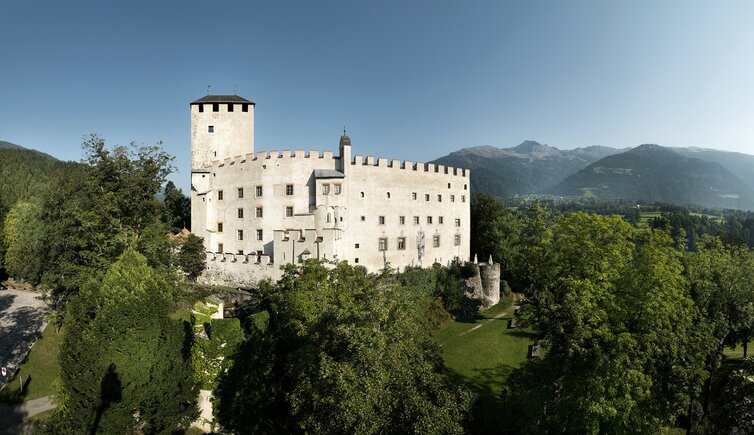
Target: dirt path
22 319
12 416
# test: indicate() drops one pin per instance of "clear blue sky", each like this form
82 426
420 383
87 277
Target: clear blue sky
411 79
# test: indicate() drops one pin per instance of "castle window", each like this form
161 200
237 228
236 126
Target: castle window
402 220
382 220
219 227
458 240
429 219
463 198
383 244
239 252
244 107
201 108
337 189
436 241
356 246
458 222
289 211
356 260
388 195
362 194
219 195
325 189
439 198
240 193
401 243
230 107
464 187
413 196
215 107
260 235
240 213
239 235
426 196
448 185
259 213
416 220
259 191
220 247
440 220
363 218
452 198
289 189
329 218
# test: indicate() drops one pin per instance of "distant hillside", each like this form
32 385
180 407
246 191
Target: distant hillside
654 173
527 168
739 164
25 173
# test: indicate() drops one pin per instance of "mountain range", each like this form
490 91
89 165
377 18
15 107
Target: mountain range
705 177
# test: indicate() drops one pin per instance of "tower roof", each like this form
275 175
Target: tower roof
345 140
222 99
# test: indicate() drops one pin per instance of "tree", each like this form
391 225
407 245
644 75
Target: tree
736 413
23 241
612 309
125 365
342 352
191 257
177 208
494 232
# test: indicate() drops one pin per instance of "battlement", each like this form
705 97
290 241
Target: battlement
410 165
263 156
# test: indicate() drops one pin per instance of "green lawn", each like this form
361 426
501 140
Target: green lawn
38 371
482 359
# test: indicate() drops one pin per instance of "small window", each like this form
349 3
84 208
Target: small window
240 193
326 189
211 129
289 211
464 187
239 235
383 244
401 243
429 219
439 198
259 213
402 220
458 222
382 220
457 240
289 189
239 252
356 246
201 108
258 191
388 195
436 241
363 218
329 218
416 220
230 107
448 185
356 260
244 107
463 198
260 235
452 198
219 227
362 194
337 189
215 107
413 196
426 197
440 220
240 213
219 195
220 247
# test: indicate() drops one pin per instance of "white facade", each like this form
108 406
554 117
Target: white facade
258 211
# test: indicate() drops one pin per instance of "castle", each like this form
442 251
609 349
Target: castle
259 211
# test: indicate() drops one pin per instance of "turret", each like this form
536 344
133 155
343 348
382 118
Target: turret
345 152
222 126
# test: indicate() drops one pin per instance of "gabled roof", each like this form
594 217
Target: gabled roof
328 173
222 99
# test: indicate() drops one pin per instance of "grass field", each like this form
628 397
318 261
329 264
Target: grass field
38 371
481 354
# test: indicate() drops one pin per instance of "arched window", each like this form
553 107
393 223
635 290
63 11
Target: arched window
362 194
329 218
388 195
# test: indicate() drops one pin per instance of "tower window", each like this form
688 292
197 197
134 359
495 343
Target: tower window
215 107
244 107
259 212
211 129
239 234
219 195
436 241
388 195
356 246
382 220
289 189
240 193
356 260
448 185
363 218
260 235
383 244
458 222
457 240
201 108
219 227
259 191
230 107
289 211
452 198
440 220
413 196
220 247
402 220
426 197
429 219
416 220
439 198
463 198
464 187
240 213
362 194
401 243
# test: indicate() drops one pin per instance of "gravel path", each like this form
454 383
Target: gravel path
12 416
22 319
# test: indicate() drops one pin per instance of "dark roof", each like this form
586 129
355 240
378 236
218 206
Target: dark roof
345 140
328 173
221 99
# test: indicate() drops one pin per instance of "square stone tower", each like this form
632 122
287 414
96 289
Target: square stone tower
222 126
